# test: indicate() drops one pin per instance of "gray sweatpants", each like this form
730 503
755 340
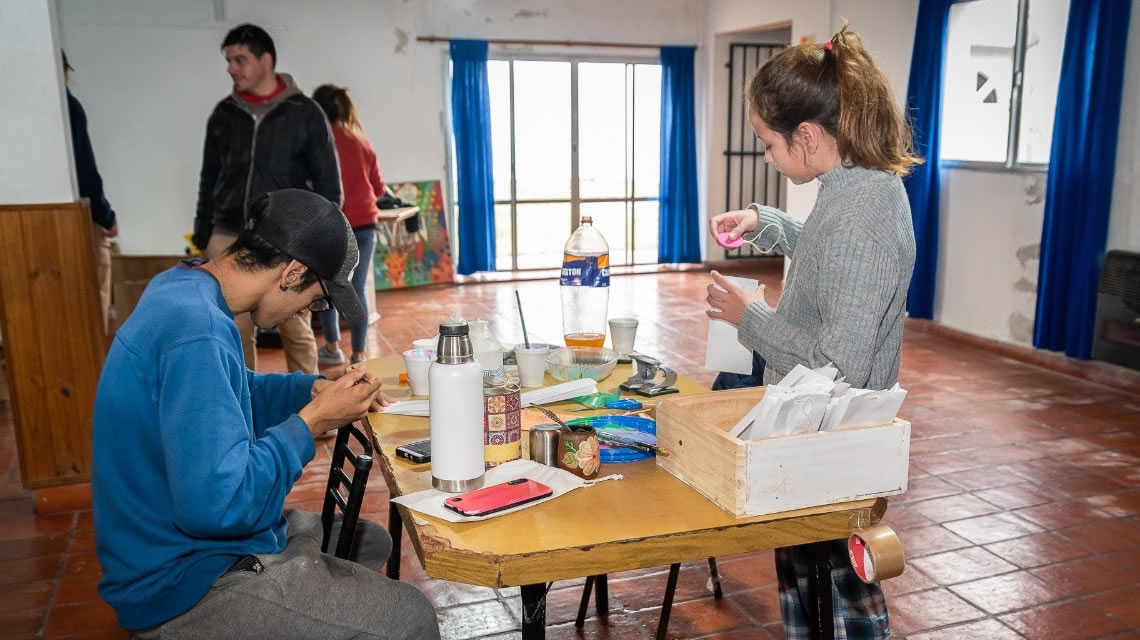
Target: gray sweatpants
303 593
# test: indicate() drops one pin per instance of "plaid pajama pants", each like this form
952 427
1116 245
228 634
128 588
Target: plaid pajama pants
859 611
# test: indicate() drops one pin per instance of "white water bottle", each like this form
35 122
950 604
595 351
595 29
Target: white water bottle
456 412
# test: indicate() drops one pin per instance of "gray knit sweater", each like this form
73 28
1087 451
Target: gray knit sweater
845 297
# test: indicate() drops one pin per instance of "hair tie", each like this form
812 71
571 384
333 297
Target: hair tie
827 45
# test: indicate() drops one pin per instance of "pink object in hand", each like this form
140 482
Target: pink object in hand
726 241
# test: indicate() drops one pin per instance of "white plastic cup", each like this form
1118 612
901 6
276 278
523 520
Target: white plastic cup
532 363
622 333
418 363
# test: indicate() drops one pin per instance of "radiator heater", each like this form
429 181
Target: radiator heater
1117 337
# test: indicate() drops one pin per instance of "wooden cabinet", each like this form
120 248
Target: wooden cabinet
54 341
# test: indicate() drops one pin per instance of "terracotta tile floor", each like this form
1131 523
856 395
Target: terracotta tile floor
1022 520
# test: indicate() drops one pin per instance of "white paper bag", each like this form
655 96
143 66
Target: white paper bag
799 413
873 408
723 351
761 414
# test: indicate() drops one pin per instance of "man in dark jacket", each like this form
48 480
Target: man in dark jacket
90 185
264 136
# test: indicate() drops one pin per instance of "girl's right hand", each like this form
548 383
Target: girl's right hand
736 223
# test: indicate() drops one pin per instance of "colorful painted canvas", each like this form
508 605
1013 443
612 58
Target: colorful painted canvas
406 259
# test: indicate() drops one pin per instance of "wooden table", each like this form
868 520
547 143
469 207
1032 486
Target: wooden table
648 519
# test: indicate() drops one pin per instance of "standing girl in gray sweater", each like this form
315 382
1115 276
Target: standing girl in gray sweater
826 112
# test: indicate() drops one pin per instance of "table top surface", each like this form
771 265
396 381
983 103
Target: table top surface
650 518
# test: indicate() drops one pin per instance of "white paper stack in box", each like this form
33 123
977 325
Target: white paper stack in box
770 475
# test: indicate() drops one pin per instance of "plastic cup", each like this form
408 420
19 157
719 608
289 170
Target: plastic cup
418 362
532 363
622 333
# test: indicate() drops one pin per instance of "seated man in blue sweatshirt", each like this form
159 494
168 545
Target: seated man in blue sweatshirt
193 453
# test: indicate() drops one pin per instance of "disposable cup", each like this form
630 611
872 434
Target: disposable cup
417 362
622 333
532 363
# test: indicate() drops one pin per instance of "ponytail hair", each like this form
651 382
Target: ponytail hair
837 86
338 107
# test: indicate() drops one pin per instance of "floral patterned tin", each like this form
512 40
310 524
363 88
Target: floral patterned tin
502 426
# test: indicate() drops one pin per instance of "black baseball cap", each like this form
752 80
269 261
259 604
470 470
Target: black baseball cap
313 231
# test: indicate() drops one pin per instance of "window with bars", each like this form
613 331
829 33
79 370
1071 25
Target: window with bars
748 178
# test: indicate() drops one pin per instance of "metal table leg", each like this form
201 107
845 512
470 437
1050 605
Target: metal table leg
534 611
602 596
667 604
396 530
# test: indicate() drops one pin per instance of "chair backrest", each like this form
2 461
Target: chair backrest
349 506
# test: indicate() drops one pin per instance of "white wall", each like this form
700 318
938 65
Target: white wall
1124 224
991 225
989 240
149 73
36 164
887 27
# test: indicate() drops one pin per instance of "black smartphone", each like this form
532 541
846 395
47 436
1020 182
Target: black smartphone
418 452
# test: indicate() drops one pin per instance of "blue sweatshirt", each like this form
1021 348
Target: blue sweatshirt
192 452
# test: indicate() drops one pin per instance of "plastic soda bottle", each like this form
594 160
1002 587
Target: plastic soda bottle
585 287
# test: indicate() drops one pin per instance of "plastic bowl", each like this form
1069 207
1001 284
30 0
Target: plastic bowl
572 363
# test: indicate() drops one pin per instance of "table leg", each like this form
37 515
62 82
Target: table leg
580 621
602 596
534 611
667 605
715 576
396 531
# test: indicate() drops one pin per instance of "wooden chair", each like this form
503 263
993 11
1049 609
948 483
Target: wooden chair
349 506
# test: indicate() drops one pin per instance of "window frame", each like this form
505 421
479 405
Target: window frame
1011 162
575 200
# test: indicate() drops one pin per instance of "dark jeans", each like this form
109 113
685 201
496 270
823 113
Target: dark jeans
330 320
737 381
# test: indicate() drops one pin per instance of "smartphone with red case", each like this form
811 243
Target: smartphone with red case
497 497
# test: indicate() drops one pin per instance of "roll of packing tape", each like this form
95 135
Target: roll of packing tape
876 553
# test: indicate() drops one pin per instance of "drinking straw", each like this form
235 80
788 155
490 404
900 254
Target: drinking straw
526 340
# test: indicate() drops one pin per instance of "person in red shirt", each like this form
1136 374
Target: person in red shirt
362 186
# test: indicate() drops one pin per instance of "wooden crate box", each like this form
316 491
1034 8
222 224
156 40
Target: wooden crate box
750 478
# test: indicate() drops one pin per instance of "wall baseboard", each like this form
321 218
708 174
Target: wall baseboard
1110 375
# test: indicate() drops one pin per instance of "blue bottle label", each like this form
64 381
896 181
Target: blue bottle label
586 271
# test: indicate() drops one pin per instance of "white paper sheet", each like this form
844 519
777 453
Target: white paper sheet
723 352
430 502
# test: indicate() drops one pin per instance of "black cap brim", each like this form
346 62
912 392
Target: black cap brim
344 298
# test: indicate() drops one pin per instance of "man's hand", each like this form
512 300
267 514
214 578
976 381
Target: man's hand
113 231
319 385
736 223
382 400
729 304
339 403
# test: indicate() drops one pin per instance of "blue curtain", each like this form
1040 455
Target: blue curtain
1081 165
679 235
471 121
924 101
